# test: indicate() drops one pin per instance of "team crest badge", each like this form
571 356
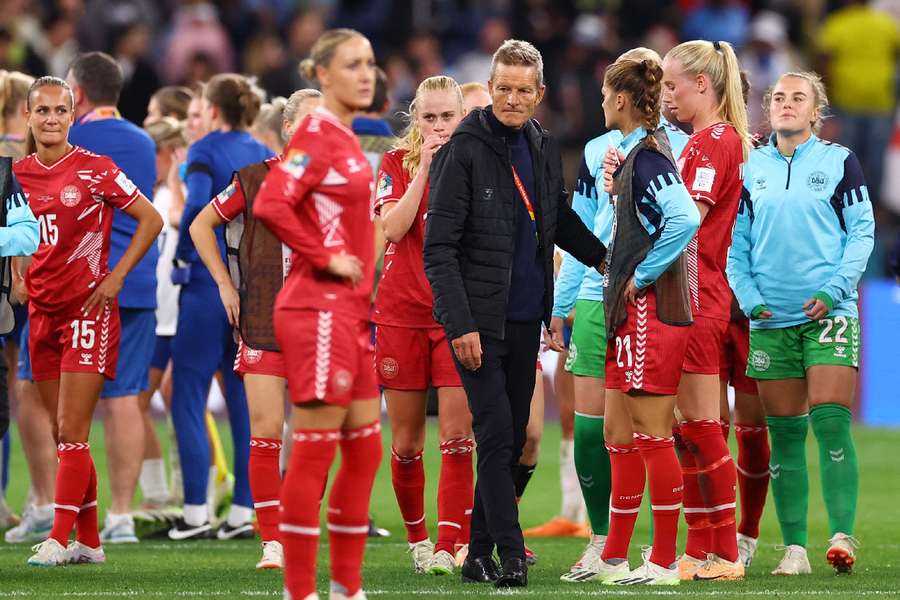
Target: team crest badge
343 381
760 360
252 356
70 196
389 367
817 181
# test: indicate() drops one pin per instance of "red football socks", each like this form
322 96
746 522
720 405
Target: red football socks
265 484
753 475
455 493
717 480
666 487
699 535
87 528
301 493
348 505
72 478
625 499
408 478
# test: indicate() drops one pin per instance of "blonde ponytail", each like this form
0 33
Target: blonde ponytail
719 63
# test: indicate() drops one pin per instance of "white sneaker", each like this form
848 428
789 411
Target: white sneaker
422 553
272 556
442 563
746 548
359 595
842 553
48 553
590 566
118 529
795 562
648 574
80 554
34 527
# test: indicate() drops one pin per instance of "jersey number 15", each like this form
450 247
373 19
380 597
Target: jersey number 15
49 229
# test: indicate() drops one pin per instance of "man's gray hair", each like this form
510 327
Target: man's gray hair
519 53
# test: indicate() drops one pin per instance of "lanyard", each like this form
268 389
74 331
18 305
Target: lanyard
103 112
523 194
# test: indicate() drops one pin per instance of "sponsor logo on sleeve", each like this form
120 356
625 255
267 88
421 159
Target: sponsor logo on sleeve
225 194
295 163
703 179
385 186
125 184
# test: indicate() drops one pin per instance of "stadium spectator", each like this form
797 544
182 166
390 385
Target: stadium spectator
497 369
476 64
765 57
862 81
197 44
139 78
96 82
229 105
73 353
802 303
322 319
726 20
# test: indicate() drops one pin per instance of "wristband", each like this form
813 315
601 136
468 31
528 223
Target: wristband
826 299
758 310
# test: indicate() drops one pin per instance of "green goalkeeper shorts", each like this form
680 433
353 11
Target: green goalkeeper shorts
786 353
587 349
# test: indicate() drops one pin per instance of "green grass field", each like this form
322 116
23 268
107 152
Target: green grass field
225 569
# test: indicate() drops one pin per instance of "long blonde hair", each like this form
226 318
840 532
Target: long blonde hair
13 91
719 63
412 138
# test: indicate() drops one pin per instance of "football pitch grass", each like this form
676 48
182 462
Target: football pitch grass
213 569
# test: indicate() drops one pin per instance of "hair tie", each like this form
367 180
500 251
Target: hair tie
717 45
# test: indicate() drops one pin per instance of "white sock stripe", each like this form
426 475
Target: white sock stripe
267 504
749 474
89 505
69 507
349 529
265 445
299 530
316 436
449 524
468 511
587 416
666 506
414 522
751 428
651 438
711 509
620 449
625 511
67 446
362 432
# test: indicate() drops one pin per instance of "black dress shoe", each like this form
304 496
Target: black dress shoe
480 569
515 574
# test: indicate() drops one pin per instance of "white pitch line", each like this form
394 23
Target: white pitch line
637 590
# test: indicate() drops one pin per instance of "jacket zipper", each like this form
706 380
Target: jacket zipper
790 163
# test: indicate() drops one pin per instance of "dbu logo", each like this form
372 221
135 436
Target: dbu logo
817 181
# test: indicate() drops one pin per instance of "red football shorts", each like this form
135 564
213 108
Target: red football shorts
646 354
704 350
329 357
734 357
412 358
250 361
74 343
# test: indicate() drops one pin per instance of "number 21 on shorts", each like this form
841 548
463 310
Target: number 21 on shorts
624 358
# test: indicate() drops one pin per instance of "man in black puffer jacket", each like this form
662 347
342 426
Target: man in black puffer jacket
497 206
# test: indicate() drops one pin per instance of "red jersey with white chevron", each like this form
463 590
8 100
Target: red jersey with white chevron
711 167
73 200
318 201
404 294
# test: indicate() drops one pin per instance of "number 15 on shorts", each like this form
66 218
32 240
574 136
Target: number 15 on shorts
83 334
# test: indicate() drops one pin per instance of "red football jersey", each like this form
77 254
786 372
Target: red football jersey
318 201
711 166
73 200
404 294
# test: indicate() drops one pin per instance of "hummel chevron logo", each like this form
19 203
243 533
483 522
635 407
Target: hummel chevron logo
587 480
837 455
774 471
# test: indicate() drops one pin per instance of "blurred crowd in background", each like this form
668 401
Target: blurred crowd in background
160 42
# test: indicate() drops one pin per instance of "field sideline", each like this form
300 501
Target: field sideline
159 569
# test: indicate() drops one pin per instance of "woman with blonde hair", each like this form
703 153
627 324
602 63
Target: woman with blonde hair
13 113
411 350
702 88
318 202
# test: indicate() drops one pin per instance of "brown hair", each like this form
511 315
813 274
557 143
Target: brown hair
99 76
642 81
49 81
13 91
233 95
167 132
173 101
820 96
324 49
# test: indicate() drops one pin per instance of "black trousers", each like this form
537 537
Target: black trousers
499 396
